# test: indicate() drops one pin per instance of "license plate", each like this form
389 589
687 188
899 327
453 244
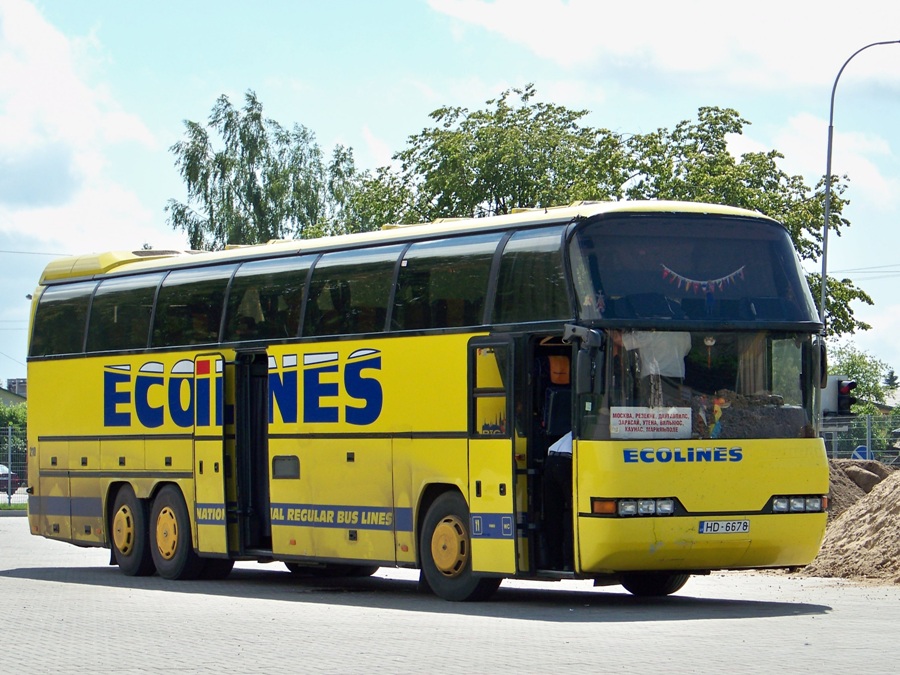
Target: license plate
723 526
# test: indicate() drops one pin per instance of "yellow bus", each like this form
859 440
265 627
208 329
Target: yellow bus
624 392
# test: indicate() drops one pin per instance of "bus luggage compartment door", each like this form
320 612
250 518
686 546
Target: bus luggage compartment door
209 455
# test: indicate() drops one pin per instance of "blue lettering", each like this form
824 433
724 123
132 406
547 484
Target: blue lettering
704 455
647 455
183 417
283 391
147 415
202 405
664 455
363 388
735 455
631 455
720 455
220 398
314 390
113 398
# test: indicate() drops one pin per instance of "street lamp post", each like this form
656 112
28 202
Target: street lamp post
824 281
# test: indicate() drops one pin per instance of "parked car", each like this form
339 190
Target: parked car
7 479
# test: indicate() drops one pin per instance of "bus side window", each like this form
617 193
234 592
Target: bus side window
345 286
443 283
532 285
189 306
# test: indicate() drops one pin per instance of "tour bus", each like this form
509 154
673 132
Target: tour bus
624 392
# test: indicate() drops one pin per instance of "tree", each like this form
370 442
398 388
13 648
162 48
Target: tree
260 181
869 372
692 163
507 156
529 154
13 415
517 152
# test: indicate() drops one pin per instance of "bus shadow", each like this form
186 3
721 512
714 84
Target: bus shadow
562 604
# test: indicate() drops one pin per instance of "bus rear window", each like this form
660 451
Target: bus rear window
60 319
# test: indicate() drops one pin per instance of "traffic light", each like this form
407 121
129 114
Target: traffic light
844 397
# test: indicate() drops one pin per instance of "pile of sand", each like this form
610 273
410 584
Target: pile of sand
862 540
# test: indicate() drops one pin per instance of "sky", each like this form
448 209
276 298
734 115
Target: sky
94 93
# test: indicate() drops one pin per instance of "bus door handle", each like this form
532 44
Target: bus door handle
477 488
502 489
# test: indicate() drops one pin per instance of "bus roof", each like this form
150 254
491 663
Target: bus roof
98 264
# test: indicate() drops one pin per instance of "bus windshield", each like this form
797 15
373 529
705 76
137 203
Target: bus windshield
690 267
704 385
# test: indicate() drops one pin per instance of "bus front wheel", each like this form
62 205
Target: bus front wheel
130 538
653 584
171 544
445 548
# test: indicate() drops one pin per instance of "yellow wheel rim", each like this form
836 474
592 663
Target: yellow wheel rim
123 530
450 546
167 533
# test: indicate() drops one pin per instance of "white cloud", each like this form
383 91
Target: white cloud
770 43
378 150
56 128
882 341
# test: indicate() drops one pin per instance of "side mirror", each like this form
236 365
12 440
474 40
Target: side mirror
823 365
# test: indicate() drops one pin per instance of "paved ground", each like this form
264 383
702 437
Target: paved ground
65 610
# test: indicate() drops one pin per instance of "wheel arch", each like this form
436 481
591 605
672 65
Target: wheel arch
141 491
431 492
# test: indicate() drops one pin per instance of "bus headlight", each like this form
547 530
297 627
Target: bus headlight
799 504
646 507
625 508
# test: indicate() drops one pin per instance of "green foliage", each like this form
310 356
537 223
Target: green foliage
507 156
13 415
869 372
259 182
269 183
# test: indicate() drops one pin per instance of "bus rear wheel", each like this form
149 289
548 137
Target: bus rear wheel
445 547
653 584
171 543
130 538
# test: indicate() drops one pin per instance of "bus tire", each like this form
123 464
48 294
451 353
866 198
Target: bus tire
130 536
445 548
653 584
216 568
171 543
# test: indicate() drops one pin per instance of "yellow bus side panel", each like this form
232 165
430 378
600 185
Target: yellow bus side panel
418 464
85 488
342 504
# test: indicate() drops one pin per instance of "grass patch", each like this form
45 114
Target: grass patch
11 507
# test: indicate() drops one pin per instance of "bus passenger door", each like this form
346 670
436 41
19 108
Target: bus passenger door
492 517
209 454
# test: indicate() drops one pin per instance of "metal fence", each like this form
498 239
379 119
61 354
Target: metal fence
13 474
863 437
